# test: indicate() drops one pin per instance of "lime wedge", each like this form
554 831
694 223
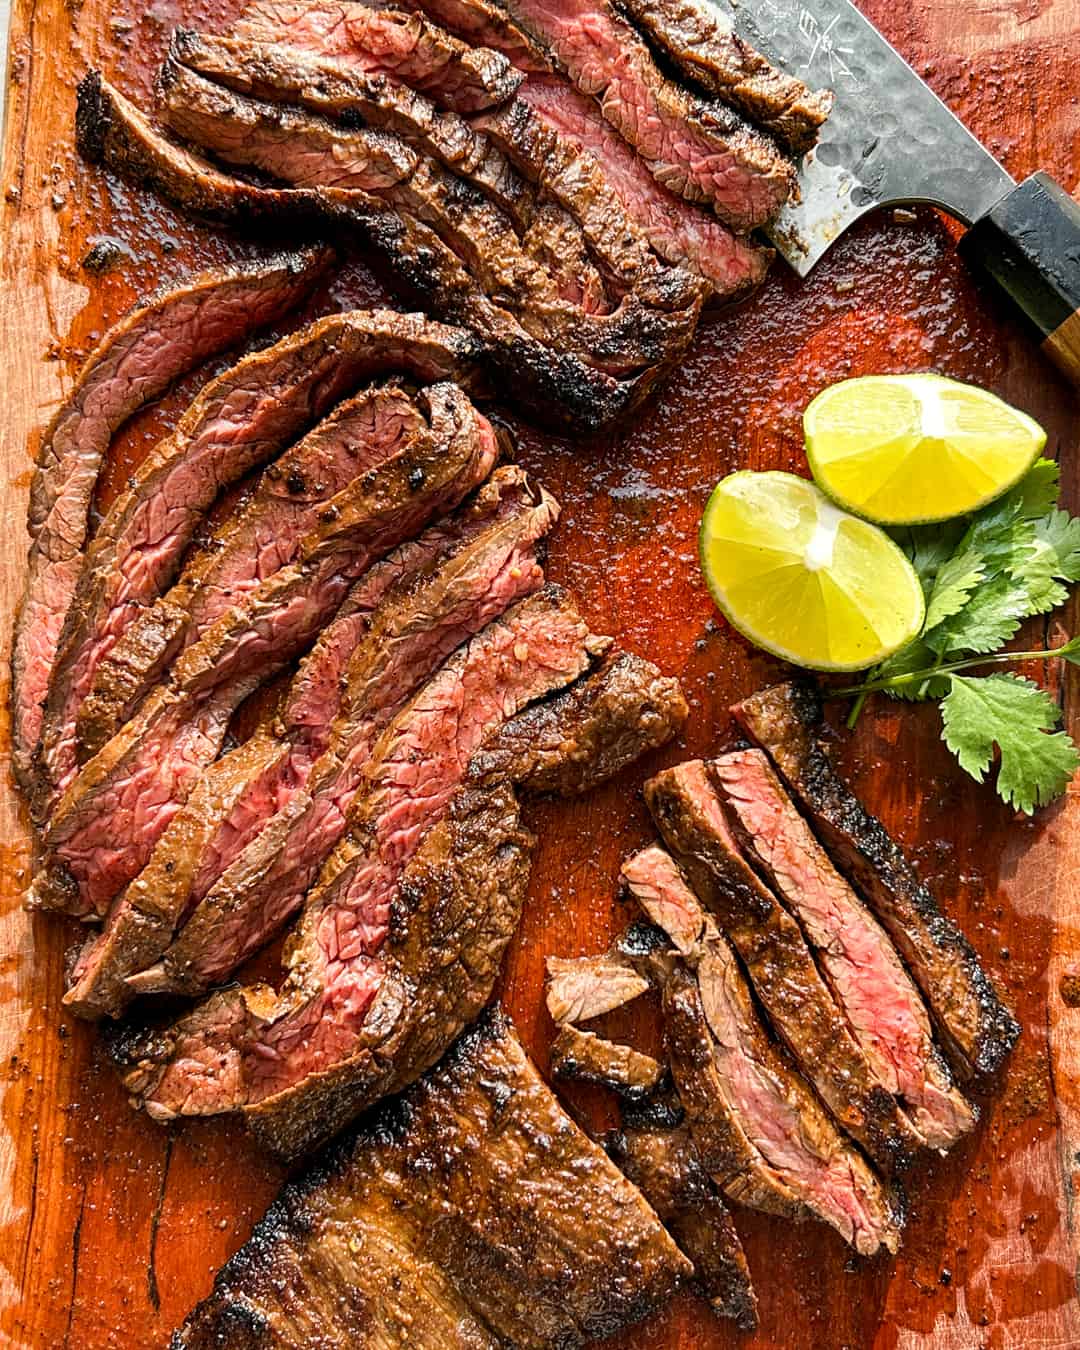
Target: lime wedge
803 579
908 449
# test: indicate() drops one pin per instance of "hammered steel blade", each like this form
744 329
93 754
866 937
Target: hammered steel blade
888 141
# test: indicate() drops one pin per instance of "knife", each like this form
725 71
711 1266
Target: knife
890 141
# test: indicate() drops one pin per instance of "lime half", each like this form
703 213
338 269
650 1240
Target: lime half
905 449
803 579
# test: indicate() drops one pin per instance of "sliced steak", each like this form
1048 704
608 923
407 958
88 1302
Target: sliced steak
977 1030
132 364
761 1133
238 421
341 92
305 1062
213 835
261 880
306 150
253 544
583 987
385 41
584 735
701 150
584 1057
108 820
666 1167
701 44
691 819
654 880
484 23
391 1229
678 231
867 978
555 387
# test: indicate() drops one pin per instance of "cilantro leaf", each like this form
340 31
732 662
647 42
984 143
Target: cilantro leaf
989 619
915 656
1017 716
1037 492
953 585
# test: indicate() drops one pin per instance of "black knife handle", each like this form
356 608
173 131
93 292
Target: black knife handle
1029 245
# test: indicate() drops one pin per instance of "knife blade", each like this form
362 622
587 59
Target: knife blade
891 141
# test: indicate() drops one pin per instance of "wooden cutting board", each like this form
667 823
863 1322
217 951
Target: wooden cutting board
111 1227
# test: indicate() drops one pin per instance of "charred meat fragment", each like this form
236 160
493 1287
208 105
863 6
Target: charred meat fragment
585 1057
665 1166
581 988
976 1028
442 1215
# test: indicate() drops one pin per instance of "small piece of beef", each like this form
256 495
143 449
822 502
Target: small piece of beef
762 1135
254 543
665 1166
678 231
239 420
554 387
583 987
700 150
701 43
654 880
304 1063
341 92
691 819
406 46
584 735
109 818
442 1216
307 151
485 23
261 879
867 978
976 1028
588 1058
133 364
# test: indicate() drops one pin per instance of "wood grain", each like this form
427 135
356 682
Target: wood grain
110 1228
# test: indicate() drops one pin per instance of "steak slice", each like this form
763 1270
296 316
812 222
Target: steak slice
584 735
306 1061
583 987
342 92
678 231
419 622
484 23
391 1229
665 1166
867 978
113 813
703 47
132 365
554 387
306 150
701 150
588 1058
691 819
253 544
976 1029
405 46
761 1133
239 420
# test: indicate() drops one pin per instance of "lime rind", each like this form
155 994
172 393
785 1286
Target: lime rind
827 609
983 447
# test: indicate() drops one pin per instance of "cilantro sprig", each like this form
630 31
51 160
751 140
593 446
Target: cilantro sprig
982 578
